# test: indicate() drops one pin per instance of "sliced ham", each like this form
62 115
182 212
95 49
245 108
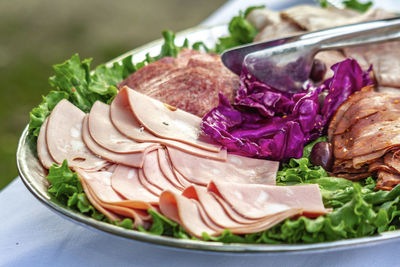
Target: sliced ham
64 138
153 173
211 206
98 184
125 181
132 159
236 169
167 169
185 212
96 203
124 120
106 135
258 201
168 122
147 184
43 153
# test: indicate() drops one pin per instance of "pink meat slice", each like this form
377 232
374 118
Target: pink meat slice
193 217
146 183
132 159
124 120
167 169
258 201
99 185
64 138
106 135
236 169
185 212
96 203
211 206
153 173
185 182
125 181
168 122
43 153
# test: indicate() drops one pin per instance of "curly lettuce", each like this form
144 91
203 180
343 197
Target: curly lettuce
74 80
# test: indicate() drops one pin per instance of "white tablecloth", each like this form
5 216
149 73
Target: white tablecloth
32 235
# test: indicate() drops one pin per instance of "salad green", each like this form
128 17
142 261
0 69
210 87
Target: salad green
358 210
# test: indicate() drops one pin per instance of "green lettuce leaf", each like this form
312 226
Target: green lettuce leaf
356 5
66 188
164 226
351 4
240 32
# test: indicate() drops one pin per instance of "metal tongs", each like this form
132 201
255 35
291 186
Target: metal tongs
285 64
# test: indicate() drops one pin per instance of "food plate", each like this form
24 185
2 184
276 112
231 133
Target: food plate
33 176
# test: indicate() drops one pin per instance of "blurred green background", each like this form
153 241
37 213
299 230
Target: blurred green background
34 35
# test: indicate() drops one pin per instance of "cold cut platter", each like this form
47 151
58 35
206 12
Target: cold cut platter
296 175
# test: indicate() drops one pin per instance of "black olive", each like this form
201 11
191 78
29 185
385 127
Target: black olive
318 70
322 155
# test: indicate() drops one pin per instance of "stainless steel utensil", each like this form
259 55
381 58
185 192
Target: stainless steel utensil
285 64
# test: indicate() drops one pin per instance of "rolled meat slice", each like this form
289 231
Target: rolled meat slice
124 120
43 153
64 138
132 159
106 135
236 169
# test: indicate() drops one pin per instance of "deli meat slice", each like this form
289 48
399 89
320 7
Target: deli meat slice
258 201
191 81
211 206
105 134
168 122
167 169
384 59
125 181
339 114
153 173
124 120
387 180
236 168
185 212
64 138
132 159
97 204
43 153
199 211
98 184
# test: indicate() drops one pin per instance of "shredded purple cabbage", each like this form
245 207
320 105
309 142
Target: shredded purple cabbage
266 123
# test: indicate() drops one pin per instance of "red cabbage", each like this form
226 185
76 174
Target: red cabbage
266 123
